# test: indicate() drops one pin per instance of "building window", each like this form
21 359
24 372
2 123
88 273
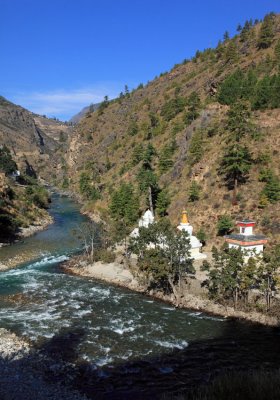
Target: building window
243 230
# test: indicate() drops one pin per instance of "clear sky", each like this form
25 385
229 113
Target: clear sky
58 56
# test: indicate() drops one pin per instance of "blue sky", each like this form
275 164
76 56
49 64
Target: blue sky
58 56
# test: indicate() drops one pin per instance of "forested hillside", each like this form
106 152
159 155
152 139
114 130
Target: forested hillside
204 136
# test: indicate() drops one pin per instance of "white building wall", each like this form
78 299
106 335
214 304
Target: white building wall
250 250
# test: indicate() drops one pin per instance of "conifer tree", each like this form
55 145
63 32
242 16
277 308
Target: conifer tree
226 36
124 204
196 148
244 35
202 236
224 225
272 189
149 153
165 159
132 128
263 94
266 32
162 203
239 28
235 165
277 52
231 52
194 104
137 154
239 120
194 192
7 164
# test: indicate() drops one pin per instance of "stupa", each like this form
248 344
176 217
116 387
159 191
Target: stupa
195 243
250 243
146 219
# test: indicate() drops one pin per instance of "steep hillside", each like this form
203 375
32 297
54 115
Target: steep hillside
37 143
178 128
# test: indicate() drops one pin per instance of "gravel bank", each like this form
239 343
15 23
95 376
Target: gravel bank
30 374
117 274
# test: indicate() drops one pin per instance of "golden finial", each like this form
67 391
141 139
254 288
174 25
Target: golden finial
184 219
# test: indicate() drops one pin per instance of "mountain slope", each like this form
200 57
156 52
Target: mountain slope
35 142
189 139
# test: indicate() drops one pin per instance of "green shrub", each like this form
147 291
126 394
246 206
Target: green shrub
173 107
104 255
7 164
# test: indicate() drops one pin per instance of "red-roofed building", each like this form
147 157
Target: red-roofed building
250 243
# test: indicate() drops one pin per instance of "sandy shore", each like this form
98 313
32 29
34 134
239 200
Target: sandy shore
117 274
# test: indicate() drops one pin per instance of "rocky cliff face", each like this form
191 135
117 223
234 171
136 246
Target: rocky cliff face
36 143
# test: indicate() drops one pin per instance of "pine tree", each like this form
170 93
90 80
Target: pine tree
277 52
235 165
248 85
194 192
231 53
263 94
196 148
149 153
239 120
132 128
165 159
226 36
231 88
124 205
224 225
162 203
275 91
272 189
239 28
137 154
244 35
7 164
202 236
263 201
266 32
194 104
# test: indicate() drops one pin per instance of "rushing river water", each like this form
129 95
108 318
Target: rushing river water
117 328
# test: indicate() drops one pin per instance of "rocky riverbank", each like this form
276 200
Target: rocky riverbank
24 233
28 373
116 273
36 227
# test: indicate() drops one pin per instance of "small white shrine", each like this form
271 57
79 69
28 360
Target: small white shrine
250 243
146 219
195 243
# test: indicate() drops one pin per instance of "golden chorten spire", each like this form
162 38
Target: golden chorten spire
184 219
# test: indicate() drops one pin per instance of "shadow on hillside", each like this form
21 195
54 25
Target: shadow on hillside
240 347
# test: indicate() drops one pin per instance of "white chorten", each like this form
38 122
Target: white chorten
195 243
146 219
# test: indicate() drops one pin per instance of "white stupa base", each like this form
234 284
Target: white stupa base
197 255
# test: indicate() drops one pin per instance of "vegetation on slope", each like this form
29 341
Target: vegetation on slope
200 136
22 203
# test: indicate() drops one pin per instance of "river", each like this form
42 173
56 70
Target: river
121 333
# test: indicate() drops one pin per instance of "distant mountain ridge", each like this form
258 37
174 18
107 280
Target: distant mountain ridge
77 117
